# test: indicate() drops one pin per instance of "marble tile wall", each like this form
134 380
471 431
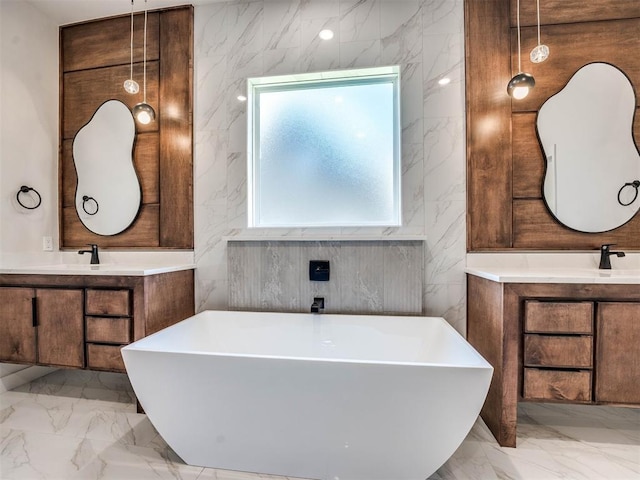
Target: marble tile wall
235 40
365 277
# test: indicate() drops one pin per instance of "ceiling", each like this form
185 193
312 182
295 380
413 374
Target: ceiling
63 12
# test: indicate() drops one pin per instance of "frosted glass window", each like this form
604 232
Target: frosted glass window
324 149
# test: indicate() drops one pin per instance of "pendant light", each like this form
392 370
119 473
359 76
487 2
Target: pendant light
130 85
143 112
540 52
519 86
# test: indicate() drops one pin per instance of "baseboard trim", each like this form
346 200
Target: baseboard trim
26 375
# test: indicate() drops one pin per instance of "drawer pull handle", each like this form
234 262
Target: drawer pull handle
34 311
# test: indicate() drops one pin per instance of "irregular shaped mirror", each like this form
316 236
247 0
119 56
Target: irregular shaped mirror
108 193
592 162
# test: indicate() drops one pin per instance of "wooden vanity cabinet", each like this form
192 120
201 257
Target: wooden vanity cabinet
553 342
17 333
60 329
557 352
618 353
83 321
109 327
42 326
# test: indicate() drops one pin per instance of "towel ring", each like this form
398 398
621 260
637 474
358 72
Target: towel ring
26 189
86 199
635 184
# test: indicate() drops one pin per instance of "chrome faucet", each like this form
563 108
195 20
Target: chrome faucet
605 253
317 305
95 260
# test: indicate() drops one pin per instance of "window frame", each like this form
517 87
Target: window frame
351 77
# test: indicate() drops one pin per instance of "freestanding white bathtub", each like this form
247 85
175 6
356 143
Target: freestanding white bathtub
306 395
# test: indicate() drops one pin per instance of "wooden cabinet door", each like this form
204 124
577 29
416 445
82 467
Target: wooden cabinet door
17 333
618 353
60 336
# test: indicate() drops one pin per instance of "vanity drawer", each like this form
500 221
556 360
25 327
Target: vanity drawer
558 351
108 329
558 317
107 302
104 357
557 385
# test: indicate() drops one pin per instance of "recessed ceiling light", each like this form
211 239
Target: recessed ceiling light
326 34
241 98
444 81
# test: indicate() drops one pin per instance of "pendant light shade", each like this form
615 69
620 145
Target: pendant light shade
143 112
540 52
520 85
130 85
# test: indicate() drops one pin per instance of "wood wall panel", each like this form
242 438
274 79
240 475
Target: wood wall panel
574 11
146 161
577 33
571 47
94 64
142 233
535 228
68 175
107 42
528 160
86 90
176 139
488 110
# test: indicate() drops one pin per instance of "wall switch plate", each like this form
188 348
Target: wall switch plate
47 244
319 270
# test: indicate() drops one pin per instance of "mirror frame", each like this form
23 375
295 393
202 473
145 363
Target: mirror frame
636 117
133 165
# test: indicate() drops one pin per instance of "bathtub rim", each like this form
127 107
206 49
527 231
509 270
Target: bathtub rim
479 363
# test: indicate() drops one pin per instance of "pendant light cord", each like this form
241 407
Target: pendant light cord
538 11
131 44
518 23
144 55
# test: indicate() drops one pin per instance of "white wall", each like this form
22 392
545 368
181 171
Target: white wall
28 138
28 125
235 40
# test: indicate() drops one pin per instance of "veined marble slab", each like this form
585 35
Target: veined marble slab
101 269
555 275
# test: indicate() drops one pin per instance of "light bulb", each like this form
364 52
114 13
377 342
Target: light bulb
326 34
520 92
519 86
539 54
131 86
144 113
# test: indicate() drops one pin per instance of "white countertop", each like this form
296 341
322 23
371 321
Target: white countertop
504 274
139 270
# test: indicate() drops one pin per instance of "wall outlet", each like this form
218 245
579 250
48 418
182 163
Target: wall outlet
47 244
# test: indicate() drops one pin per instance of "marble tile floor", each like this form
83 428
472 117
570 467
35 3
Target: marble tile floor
82 425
